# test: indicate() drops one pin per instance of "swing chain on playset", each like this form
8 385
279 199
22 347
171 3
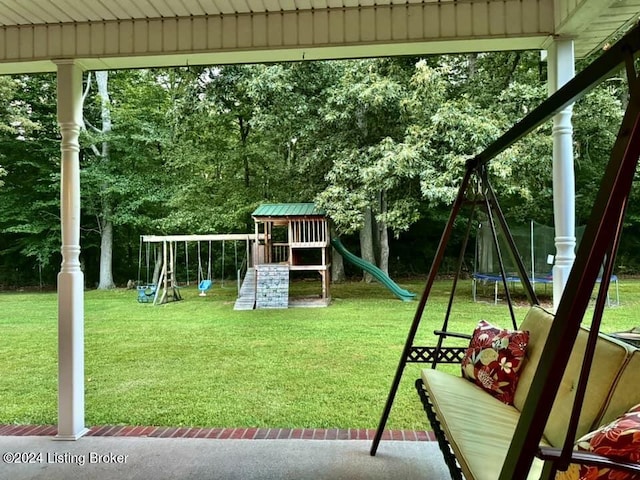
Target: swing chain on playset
168 285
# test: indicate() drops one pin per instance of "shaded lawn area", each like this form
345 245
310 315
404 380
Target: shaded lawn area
200 363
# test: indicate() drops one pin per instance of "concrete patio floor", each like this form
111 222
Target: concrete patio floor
138 458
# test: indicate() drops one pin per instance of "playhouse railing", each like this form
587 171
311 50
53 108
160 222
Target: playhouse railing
280 253
309 232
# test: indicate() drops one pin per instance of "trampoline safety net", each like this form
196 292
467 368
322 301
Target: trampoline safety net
535 243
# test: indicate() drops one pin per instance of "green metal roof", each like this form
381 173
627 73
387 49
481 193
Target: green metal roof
288 210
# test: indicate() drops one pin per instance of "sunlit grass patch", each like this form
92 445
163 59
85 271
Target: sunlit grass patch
200 363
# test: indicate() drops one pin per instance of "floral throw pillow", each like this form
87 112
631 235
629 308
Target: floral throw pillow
494 358
619 440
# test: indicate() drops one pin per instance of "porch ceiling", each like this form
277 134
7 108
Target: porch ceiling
144 33
19 12
593 22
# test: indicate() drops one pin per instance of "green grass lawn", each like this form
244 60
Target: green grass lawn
200 363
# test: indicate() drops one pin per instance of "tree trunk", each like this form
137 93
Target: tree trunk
106 256
472 58
158 264
337 262
383 236
106 230
244 134
366 243
512 70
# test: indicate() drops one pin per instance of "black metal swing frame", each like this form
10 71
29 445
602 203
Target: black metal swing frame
598 247
478 192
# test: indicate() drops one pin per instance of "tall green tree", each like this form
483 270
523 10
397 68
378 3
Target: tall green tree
128 125
363 109
244 137
102 153
30 155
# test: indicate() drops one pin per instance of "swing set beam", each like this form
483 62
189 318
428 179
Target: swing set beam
174 240
243 237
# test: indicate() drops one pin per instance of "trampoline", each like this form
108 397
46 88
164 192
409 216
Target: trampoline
495 280
535 242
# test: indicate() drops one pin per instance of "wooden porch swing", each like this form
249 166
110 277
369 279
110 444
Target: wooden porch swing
526 443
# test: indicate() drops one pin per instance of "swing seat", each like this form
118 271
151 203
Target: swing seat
474 429
204 286
146 293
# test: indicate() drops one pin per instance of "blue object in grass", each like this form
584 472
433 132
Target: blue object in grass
204 286
146 293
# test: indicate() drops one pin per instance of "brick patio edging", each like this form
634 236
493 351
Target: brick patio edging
224 433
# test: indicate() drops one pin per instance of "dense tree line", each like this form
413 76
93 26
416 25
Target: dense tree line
380 144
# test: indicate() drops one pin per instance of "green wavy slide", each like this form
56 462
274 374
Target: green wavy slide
383 278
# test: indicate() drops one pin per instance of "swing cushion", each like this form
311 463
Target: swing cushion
618 440
479 428
494 358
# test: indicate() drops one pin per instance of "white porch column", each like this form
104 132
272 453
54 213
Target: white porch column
70 279
561 70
